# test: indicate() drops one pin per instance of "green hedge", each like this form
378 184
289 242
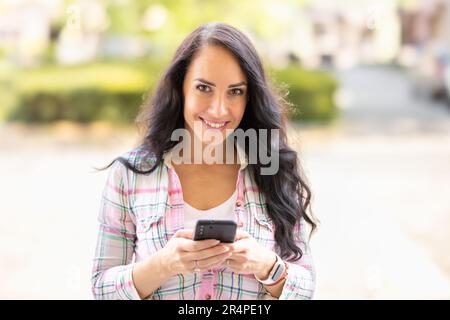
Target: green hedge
83 105
115 91
310 93
107 91
7 90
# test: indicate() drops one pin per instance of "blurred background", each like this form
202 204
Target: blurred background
369 86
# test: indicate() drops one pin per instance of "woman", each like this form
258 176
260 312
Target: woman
214 84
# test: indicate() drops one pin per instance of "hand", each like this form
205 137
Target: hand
181 252
248 256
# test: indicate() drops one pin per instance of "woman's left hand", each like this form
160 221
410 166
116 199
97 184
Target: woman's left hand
248 256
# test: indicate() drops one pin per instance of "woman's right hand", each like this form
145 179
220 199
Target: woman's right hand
181 252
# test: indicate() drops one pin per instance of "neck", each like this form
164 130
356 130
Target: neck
224 153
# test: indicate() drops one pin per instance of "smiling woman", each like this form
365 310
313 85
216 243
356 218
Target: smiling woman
144 250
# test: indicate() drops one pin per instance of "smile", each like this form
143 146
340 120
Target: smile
214 125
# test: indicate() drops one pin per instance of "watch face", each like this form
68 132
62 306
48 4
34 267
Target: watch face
278 271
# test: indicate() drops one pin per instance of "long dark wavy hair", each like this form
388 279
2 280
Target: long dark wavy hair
287 195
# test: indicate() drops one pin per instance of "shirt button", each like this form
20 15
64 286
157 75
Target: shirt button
238 204
241 224
208 296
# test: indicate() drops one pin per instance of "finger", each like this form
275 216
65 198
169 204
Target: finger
207 253
240 234
231 247
184 233
238 246
238 266
234 265
237 257
190 245
216 260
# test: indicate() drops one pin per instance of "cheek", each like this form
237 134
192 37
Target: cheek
192 107
238 113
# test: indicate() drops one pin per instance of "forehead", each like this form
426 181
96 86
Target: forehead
216 63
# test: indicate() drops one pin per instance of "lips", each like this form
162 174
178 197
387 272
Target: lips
218 125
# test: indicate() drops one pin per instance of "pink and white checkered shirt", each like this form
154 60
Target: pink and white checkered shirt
140 213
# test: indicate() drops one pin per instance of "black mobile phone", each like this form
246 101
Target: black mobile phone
223 230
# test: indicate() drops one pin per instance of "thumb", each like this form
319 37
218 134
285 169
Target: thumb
184 233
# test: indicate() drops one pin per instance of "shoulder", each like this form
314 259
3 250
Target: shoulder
144 186
138 158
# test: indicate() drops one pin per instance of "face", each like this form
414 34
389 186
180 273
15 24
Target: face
215 94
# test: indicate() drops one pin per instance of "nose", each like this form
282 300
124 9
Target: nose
218 108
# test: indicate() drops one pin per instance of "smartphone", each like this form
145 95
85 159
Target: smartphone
223 230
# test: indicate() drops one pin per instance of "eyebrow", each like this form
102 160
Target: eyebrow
242 83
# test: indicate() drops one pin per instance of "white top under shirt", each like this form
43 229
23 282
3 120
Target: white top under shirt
224 211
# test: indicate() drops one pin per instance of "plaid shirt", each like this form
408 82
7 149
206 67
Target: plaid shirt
140 213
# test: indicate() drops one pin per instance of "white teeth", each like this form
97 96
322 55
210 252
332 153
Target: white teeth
214 125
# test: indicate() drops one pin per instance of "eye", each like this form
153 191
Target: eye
203 88
237 92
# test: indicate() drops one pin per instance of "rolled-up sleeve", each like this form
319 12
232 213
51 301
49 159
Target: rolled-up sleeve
301 279
112 265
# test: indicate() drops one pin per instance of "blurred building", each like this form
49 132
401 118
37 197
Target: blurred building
25 29
339 35
317 34
345 36
426 46
34 31
80 38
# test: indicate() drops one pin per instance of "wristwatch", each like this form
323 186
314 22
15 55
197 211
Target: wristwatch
277 274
